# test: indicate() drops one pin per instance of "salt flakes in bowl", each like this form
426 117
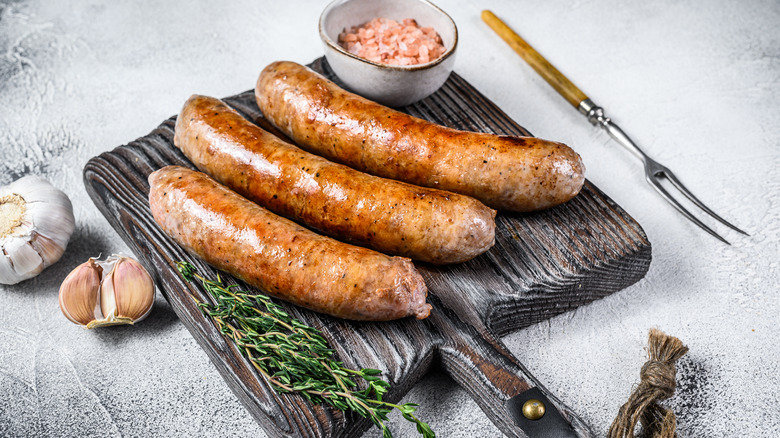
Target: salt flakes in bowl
389 42
394 60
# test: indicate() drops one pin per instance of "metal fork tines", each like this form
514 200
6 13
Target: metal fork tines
654 171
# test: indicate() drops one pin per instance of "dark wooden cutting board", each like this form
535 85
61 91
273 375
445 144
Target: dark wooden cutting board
542 264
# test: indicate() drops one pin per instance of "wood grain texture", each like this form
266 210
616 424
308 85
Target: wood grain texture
542 264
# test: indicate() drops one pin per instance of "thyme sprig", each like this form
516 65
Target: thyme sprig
294 357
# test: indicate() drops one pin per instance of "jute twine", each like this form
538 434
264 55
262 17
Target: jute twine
658 383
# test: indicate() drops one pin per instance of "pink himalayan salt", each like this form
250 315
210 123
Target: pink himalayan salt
390 42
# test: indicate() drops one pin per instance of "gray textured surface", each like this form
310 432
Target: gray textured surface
696 83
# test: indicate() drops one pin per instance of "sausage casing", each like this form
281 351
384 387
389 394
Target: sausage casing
390 216
281 257
506 173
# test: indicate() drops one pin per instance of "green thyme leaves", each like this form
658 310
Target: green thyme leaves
295 358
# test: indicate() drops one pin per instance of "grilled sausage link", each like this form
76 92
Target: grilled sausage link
506 173
390 216
281 257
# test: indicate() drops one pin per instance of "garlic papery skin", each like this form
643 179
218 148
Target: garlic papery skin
79 293
36 222
116 291
126 293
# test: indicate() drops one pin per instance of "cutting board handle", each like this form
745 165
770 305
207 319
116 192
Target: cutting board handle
500 385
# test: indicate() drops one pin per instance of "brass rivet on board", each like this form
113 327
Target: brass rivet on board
533 409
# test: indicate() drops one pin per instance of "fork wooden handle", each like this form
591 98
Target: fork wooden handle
550 74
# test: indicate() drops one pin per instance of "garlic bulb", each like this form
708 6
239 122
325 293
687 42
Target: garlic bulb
112 292
36 222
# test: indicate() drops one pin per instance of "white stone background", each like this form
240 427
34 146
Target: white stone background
696 83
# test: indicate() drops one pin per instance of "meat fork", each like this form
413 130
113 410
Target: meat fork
654 171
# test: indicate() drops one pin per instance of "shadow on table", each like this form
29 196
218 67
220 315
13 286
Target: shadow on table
693 401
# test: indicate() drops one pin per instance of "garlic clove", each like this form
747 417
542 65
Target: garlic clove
112 292
79 293
127 291
47 248
54 221
25 260
136 304
6 268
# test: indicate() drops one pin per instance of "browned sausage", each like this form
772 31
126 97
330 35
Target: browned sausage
390 216
281 257
506 173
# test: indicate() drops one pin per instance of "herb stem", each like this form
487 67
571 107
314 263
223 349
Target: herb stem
294 357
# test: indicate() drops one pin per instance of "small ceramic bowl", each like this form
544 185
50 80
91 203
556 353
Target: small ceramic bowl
390 85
